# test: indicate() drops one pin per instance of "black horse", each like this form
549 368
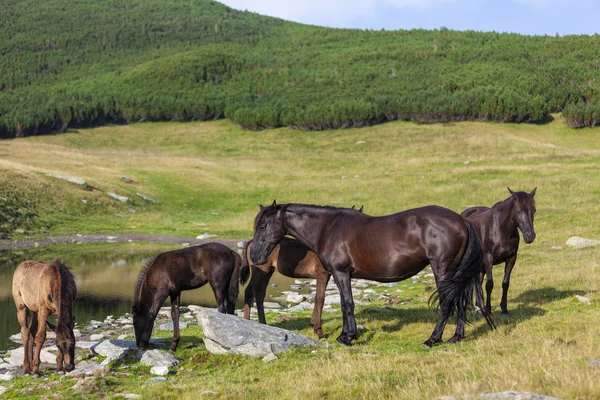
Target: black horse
189 268
499 227
386 249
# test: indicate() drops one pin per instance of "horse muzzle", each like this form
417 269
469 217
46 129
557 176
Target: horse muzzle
529 237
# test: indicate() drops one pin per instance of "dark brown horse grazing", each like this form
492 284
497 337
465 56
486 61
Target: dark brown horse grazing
45 289
294 260
500 236
385 249
172 272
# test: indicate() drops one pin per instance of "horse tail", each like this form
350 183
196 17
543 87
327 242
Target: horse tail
245 270
234 285
456 294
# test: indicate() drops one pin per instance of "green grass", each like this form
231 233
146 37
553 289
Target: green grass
197 169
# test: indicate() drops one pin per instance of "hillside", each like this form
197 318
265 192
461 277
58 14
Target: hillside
85 63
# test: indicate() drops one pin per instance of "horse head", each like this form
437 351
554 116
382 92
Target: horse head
65 341
523 213
141 321
268 231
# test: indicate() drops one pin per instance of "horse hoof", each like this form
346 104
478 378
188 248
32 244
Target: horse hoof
505 312
344 339
455 339
426 345
35 376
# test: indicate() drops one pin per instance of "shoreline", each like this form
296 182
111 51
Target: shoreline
112 238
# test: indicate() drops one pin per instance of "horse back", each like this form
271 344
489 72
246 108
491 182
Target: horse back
37 285
397 246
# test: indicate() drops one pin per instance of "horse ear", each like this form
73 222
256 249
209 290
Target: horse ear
361 208
533 192
510 191
274 203
353 206
261 206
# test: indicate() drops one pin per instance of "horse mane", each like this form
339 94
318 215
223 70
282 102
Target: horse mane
68 293
521 197
140 280
67 287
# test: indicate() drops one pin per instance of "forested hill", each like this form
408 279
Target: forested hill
68 63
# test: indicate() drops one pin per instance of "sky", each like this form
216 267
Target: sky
529 17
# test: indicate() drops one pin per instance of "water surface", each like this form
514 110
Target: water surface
105 274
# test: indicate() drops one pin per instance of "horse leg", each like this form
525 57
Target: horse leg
488 261
25 337
508 266
261 292
249 292
436 335
342 279
175 318
33 328
40 338
315 321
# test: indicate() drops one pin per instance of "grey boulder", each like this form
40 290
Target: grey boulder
113 349
159 358
231 334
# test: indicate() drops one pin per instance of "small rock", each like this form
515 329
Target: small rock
594 363
159 358
69 178
333 299
96 337
270 357
361 142
161 371
87 369
212 392
583 299
295 298
272 305
577 242
301 307
6 377
127 180
556 248
122 199
169 326
130 396
205 235
147 198
3 390
119 215
157 379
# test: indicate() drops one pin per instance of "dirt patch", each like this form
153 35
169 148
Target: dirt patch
122 238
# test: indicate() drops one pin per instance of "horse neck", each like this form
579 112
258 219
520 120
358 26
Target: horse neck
306 225
504 214
64 309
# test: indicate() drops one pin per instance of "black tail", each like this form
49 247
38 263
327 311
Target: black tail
245 271
234 285
456 294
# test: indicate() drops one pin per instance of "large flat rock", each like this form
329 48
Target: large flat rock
231 334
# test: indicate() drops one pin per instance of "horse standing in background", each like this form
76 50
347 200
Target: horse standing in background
45 289
499 227
386 249
294 260
168 274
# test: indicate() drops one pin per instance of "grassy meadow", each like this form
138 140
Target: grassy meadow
215 173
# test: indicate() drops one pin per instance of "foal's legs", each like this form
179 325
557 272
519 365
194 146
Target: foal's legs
40 338
26 337
342 279
488 261
175 318
315 321
508 266
249 297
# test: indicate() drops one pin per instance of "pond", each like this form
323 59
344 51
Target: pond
105 274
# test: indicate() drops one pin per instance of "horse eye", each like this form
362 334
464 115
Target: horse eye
262 228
